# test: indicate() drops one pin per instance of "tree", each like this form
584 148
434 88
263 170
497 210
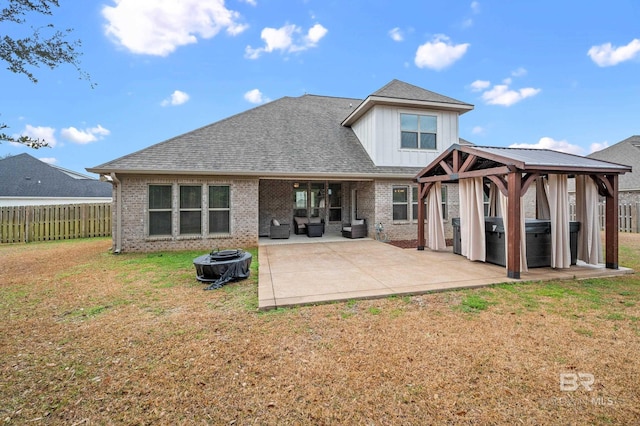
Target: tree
46 46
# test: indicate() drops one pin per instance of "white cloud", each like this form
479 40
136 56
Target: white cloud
251 2
477 130
283 39
48 160
177 98
255 96
500 94
550 143
519 72
598 146
46 134
84 136
158 27
475 7
607 55
439 53
396 34
480 85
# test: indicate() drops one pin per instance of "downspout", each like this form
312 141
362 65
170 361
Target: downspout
118 229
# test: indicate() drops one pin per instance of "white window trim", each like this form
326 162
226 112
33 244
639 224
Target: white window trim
212 209
424 113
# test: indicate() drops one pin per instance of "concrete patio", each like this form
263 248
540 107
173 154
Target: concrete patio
333 269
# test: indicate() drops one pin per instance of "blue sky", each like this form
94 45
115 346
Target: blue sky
558 74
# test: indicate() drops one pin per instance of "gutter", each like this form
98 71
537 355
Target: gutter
118 246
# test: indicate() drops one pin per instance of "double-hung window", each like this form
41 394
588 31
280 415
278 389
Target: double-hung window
190 209
418 131
400 203
402 198
159 210
219 209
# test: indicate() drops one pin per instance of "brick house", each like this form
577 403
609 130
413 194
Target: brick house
332 158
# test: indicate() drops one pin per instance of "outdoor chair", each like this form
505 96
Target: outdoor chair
356 229
279 230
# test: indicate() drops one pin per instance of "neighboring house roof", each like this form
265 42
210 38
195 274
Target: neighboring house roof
25 176
288 137
624 152
399 93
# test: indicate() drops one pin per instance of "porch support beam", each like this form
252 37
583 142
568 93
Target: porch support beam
514 183
501 170
611 222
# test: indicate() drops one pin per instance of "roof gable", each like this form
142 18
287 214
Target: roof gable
397 89
399 93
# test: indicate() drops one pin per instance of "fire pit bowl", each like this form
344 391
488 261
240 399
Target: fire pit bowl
221 266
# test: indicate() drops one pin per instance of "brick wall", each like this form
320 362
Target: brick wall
243 215
275 203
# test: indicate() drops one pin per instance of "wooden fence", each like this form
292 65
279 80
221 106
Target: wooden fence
628 216
25 224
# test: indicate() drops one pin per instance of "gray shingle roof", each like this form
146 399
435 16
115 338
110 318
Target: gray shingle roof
624 152
397 89
25 176
290 136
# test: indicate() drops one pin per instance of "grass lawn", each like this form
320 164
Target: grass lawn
88 337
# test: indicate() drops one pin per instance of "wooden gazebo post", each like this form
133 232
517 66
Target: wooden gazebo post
611 222
514 187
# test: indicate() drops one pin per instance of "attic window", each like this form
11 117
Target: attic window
418 131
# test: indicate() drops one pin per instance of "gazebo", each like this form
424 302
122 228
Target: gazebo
511 171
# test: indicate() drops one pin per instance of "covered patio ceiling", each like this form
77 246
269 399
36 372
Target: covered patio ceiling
513 170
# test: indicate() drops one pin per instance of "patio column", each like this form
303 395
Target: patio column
611 225
514 187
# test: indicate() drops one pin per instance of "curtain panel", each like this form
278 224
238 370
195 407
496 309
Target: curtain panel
559 209
472 238
435 227
589 244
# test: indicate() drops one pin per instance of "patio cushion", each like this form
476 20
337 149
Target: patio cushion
275 222
358 222
315 220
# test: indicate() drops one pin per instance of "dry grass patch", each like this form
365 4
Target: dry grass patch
89 337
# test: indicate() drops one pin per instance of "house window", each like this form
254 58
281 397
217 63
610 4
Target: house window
159 209
415 198
335 202
400 202
190 210
219 210
418 131
414 202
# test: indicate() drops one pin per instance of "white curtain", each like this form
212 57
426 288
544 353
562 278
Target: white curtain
435 228
589 244
559 209
494 205
523 236
472 236
542 199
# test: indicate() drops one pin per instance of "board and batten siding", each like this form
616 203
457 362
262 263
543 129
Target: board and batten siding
379 133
